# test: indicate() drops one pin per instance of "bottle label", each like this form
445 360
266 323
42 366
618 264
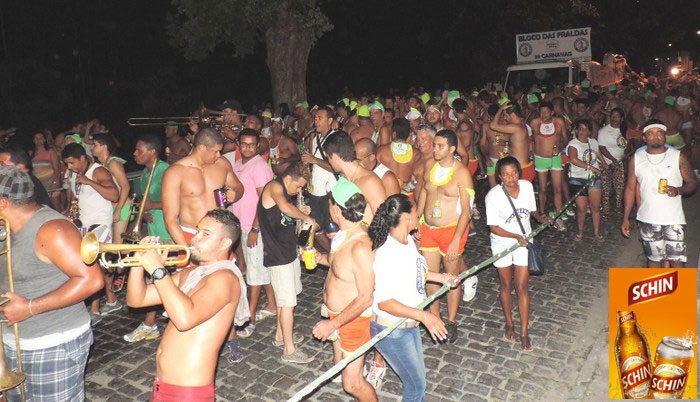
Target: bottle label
636 374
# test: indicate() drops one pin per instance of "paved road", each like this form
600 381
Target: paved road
568 318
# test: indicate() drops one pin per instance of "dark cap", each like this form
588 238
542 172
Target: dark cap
15 184
232 104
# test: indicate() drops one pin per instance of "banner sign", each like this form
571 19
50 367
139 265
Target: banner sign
553 45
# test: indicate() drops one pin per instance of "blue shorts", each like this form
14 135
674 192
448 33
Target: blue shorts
576 184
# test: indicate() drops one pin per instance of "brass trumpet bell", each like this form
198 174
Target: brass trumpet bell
91 248
8 378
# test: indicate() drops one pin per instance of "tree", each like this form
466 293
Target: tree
289 29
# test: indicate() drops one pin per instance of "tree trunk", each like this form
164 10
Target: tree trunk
288 46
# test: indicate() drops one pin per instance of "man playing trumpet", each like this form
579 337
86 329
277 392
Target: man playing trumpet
201 300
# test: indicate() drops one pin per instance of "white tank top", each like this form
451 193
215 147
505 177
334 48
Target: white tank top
322 181
94 209
380 170
659 208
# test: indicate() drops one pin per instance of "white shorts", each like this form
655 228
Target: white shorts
256 273
286 282
517 257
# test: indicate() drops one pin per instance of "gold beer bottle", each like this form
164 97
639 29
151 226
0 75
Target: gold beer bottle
632 357
671 368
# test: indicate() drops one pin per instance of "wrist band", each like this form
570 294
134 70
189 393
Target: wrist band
30 307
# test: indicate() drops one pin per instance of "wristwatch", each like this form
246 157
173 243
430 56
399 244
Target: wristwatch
255 230
159 273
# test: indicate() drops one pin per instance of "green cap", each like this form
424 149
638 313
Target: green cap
353 105
343 191
499 87
536 90
425 97
363 111
532 98
670 100
453 94
612 87
303 104
503 101
376 105
585 84
76 137
346 101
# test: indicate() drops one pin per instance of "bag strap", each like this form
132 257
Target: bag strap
515 211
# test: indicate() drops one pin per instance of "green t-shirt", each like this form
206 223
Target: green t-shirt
157 228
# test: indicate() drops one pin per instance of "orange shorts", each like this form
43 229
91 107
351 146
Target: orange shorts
353 334
472 166
529 172
163 392
438 239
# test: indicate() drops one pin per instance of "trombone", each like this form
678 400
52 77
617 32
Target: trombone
202 115
134 236
10 378
91 248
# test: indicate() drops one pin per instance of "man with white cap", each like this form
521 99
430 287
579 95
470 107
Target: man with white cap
382 130
414 118
283 150
663 175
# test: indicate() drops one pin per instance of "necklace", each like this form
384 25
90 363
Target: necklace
659 162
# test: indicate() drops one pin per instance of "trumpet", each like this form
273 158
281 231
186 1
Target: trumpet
10 378
91 248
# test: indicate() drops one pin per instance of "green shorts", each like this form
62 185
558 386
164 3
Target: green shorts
124 215
675 140
546 164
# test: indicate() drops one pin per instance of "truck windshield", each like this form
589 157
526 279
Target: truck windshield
526 78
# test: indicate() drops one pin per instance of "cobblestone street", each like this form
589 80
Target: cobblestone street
568 303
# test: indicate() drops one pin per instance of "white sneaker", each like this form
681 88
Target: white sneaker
142 332
469 288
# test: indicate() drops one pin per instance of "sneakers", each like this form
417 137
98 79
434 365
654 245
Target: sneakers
469 288
142 332
570 212
247 331
234 352
263 314
375 376
298 338
95 318
298 357
111 307
451 331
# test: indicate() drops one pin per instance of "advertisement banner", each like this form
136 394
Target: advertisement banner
553 45
653 333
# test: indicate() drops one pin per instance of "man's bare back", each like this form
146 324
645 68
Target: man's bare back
403 171
341 288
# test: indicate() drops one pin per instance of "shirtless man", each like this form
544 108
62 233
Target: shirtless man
189 184
493 144
366 152
398 155
673 120
176 147
366 127
283 150
425 133
341 155
382 130
349 287
519 146
434 116
549 136
302 121
201 302
445 203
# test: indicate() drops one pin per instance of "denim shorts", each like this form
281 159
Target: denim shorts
576 184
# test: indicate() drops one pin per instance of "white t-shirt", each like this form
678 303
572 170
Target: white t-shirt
500 213
587 152
399 273
613 140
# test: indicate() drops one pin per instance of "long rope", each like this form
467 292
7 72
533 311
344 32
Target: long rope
338 367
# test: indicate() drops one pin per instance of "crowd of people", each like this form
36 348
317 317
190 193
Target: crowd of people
388 184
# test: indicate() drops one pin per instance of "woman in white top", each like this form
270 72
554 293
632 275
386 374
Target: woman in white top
613 144
586 166
505 233
400 273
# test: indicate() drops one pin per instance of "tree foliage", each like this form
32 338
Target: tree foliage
200 25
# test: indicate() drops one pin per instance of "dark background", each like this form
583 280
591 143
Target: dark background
64 62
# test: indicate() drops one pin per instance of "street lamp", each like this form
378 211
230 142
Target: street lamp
669 45
675 71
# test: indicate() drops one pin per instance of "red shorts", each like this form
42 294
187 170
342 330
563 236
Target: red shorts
564 159
472 166
439 239
353 334
529 172
163 392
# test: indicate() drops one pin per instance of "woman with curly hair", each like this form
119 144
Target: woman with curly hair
400 273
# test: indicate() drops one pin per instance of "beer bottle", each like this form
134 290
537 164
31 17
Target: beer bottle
632 357
671 368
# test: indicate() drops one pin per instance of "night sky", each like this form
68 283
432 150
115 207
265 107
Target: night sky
64 62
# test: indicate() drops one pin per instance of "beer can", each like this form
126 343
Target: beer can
220 197
672 362
663 186
310 258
